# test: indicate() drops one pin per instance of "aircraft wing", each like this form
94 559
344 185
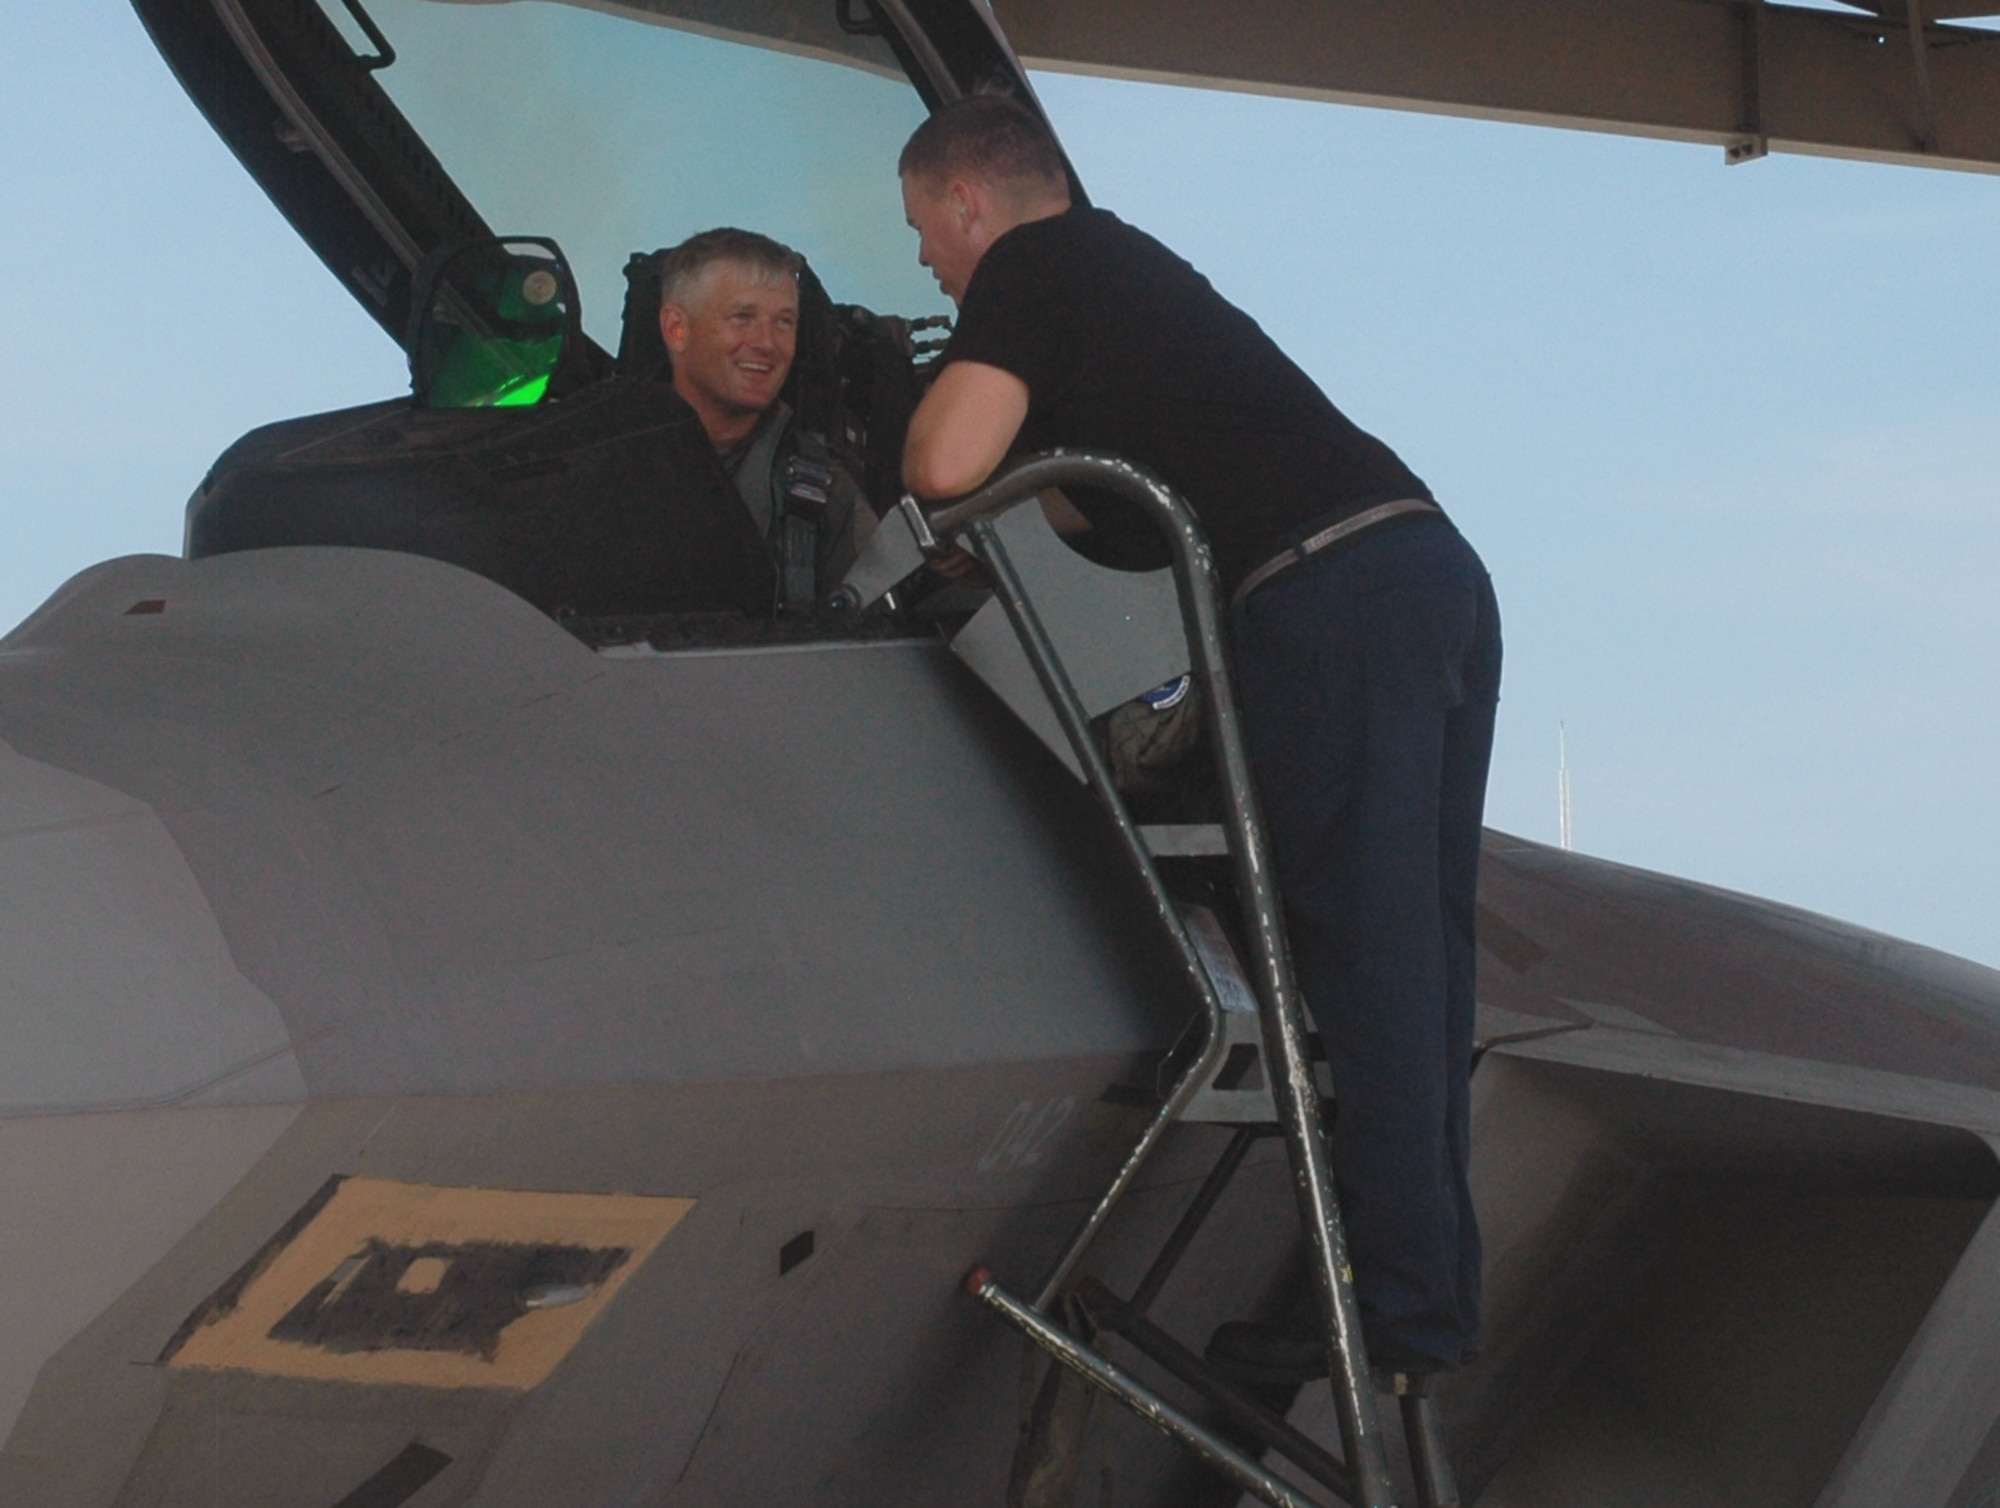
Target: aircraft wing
1855 81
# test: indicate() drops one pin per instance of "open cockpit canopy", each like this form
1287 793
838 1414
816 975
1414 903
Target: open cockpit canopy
615 129
399 136
390 129
385 132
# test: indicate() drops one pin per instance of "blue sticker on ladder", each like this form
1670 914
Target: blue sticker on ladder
1166 698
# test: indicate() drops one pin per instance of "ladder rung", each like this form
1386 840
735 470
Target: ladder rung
1196 840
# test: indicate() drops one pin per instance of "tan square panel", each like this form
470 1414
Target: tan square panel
380 1282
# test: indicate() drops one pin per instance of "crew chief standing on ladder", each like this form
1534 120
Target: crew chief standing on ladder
1368 666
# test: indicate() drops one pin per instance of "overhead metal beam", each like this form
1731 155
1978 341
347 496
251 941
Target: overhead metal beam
1832 83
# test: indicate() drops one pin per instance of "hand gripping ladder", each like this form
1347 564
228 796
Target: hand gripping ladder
1362 1477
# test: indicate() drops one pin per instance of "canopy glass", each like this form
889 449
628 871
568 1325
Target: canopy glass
622 128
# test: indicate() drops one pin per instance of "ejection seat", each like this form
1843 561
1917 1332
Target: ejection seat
1251 1020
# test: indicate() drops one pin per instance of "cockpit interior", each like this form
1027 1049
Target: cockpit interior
492 181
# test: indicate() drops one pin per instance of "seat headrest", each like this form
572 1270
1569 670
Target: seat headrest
641 352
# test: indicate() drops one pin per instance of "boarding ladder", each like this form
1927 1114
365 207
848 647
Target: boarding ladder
1064 1311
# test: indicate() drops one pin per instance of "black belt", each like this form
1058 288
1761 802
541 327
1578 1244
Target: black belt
1332 534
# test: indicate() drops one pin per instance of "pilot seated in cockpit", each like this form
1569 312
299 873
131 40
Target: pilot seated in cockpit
729 316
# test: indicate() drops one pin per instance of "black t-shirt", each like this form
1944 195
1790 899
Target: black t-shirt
1127 349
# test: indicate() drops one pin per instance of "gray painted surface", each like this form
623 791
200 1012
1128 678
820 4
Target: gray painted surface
116 987
823 938
1647 1057
1649 67
94 1201
1118 632
444 849
1723 1279
1981 1485
1728 969
1929 1421
460 852
878 1381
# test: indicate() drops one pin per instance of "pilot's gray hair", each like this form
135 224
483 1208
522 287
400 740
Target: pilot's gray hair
682 266
988 137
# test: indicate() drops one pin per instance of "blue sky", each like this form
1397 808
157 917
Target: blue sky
1728 438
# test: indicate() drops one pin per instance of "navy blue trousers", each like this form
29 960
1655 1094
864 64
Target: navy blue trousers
1368 682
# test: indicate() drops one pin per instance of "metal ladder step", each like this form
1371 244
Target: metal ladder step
1195 840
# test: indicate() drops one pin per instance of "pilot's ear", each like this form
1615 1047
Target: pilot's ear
674 327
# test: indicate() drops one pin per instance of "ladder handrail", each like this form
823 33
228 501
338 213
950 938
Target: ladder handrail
1069 711
1293 1090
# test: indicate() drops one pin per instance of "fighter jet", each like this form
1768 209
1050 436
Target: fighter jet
492 1015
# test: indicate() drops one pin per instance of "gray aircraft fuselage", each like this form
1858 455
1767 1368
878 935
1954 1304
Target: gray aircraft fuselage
444 1062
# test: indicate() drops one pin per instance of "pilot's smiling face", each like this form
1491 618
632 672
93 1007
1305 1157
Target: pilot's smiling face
947 238
734 340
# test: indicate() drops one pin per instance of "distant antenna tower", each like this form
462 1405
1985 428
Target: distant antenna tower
1562 785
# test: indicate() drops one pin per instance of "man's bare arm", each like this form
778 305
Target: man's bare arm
1062 514
963 428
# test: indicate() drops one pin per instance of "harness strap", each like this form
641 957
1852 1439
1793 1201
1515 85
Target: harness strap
805 493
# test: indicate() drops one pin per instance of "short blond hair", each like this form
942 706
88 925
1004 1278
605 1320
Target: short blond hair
682 266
